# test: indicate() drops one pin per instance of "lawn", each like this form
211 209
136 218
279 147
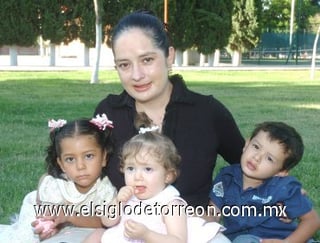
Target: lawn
29 99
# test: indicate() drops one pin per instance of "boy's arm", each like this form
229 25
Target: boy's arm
307 227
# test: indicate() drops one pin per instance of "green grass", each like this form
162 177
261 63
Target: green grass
29 99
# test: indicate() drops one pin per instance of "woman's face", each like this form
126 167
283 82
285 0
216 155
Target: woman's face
142 67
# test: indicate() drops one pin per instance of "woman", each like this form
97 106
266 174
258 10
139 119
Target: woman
200 126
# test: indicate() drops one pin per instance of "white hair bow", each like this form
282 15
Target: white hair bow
143 130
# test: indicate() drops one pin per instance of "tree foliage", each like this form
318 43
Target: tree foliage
246 28
181 23
53 20
116 9
276 15
204 24
85 19
213 24
19 22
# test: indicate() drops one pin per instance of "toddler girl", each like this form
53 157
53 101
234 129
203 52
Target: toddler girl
148 208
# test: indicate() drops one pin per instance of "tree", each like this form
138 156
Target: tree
275 15
18 29
54 23
314 21
213 21
114 10
246 29
98 24
314 53
182 26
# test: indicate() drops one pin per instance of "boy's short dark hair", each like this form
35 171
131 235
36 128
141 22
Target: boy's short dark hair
287 136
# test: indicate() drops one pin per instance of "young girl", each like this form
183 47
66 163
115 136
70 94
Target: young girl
75 181
148 208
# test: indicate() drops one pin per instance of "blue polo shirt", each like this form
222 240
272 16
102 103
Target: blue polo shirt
254 210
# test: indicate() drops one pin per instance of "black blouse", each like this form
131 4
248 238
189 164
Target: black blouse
200 127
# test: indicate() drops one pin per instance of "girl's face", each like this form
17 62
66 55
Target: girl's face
82 160
142 67
147 176
262 158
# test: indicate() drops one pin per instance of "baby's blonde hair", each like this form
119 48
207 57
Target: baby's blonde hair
157 145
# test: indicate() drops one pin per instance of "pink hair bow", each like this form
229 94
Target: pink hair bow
53 124
102 121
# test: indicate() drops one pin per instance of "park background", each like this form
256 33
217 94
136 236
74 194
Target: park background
204 32
270 81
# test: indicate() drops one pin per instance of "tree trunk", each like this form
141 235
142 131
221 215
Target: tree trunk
216 58
179 58
314 54
185 57
41 47
13 50
52 60
202 60
236 58
86 56
210 59
95 73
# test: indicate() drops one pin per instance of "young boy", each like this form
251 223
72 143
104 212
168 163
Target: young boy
254 195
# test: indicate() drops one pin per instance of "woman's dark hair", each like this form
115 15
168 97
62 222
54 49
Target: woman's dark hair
72 129
287 137
149 24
